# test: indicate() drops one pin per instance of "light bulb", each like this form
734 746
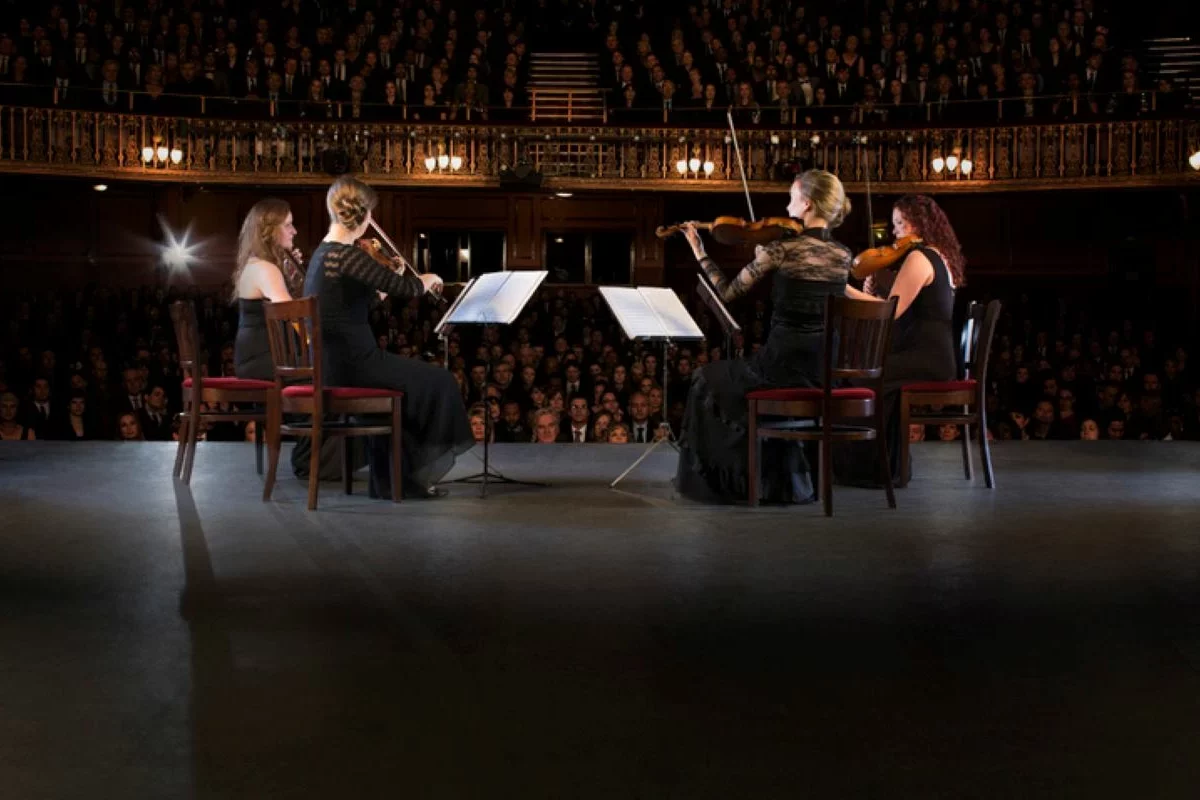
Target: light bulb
681 166
1194 160
430 163
967 165
952 163
101 187
176 156
709 168
464 254
938 164
694 165
815 140
162 153
774 138
455 162
147 154
443 161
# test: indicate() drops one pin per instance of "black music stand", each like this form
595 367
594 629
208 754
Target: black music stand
652 314
728 323
496 298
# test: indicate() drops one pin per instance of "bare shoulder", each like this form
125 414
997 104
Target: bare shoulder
918 262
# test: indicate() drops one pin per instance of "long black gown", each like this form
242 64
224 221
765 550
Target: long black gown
344 278
713 455
922 350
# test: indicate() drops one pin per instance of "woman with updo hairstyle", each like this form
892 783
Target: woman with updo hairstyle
268 268
345 280
923 332
803 270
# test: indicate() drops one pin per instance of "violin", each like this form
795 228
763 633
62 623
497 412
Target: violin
871 261
736 231
390 257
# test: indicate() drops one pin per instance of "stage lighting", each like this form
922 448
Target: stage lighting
1194 160
178 253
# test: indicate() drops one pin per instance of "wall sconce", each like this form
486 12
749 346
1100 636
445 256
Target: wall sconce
951 162
709 167
681 166
160 155
443 161
1194 160
938 164
695 165
967 166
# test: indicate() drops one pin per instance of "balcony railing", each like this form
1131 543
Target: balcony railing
993 157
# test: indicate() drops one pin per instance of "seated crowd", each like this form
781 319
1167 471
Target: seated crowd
774 62
102 364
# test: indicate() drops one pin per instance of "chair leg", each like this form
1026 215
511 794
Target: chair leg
189 456
397 452
752 456
968 472
985 450
826 476
347 471
259 436
905 423
314 463
274 420
884 461
183 437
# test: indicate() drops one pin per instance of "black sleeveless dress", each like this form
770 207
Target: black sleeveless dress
713 452
922 350
436 430
251 350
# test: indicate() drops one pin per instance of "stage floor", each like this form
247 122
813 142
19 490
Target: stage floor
1041 640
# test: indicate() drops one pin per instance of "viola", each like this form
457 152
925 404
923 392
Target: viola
871 261
735 231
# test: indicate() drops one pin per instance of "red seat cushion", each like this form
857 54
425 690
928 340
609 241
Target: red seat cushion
810 395
242 384
940 386
342 392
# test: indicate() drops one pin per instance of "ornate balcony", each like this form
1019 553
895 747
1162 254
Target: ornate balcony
993 158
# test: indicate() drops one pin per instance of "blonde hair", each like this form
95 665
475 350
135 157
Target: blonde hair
349 200
827 195
259 237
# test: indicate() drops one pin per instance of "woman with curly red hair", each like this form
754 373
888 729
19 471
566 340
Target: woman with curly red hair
923 333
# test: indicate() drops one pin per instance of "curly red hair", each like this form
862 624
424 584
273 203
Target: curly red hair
930 223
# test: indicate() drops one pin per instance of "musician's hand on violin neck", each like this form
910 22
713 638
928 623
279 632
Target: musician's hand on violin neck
693 237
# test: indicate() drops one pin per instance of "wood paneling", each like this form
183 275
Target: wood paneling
61 233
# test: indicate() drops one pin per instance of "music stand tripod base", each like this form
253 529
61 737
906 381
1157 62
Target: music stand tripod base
668 438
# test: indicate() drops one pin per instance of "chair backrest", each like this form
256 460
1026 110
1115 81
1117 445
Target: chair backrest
858 334
985 319
294 332
187 337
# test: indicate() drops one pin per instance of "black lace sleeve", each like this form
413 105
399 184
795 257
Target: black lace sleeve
766 260
361 267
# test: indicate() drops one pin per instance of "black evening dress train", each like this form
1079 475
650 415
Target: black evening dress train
713 455
922 350
344 279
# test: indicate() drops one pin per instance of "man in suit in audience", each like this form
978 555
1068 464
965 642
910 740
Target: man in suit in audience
154 416
577 429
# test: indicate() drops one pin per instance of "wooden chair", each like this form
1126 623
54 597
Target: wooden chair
198 389
962 401
294 329
857 338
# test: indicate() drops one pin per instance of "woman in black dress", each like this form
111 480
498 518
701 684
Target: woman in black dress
268 268
345 278
804 270
922 334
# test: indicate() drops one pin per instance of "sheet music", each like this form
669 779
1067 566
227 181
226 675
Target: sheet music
495 298
677 323
650 313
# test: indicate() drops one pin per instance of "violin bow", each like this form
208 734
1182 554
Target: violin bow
737 151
